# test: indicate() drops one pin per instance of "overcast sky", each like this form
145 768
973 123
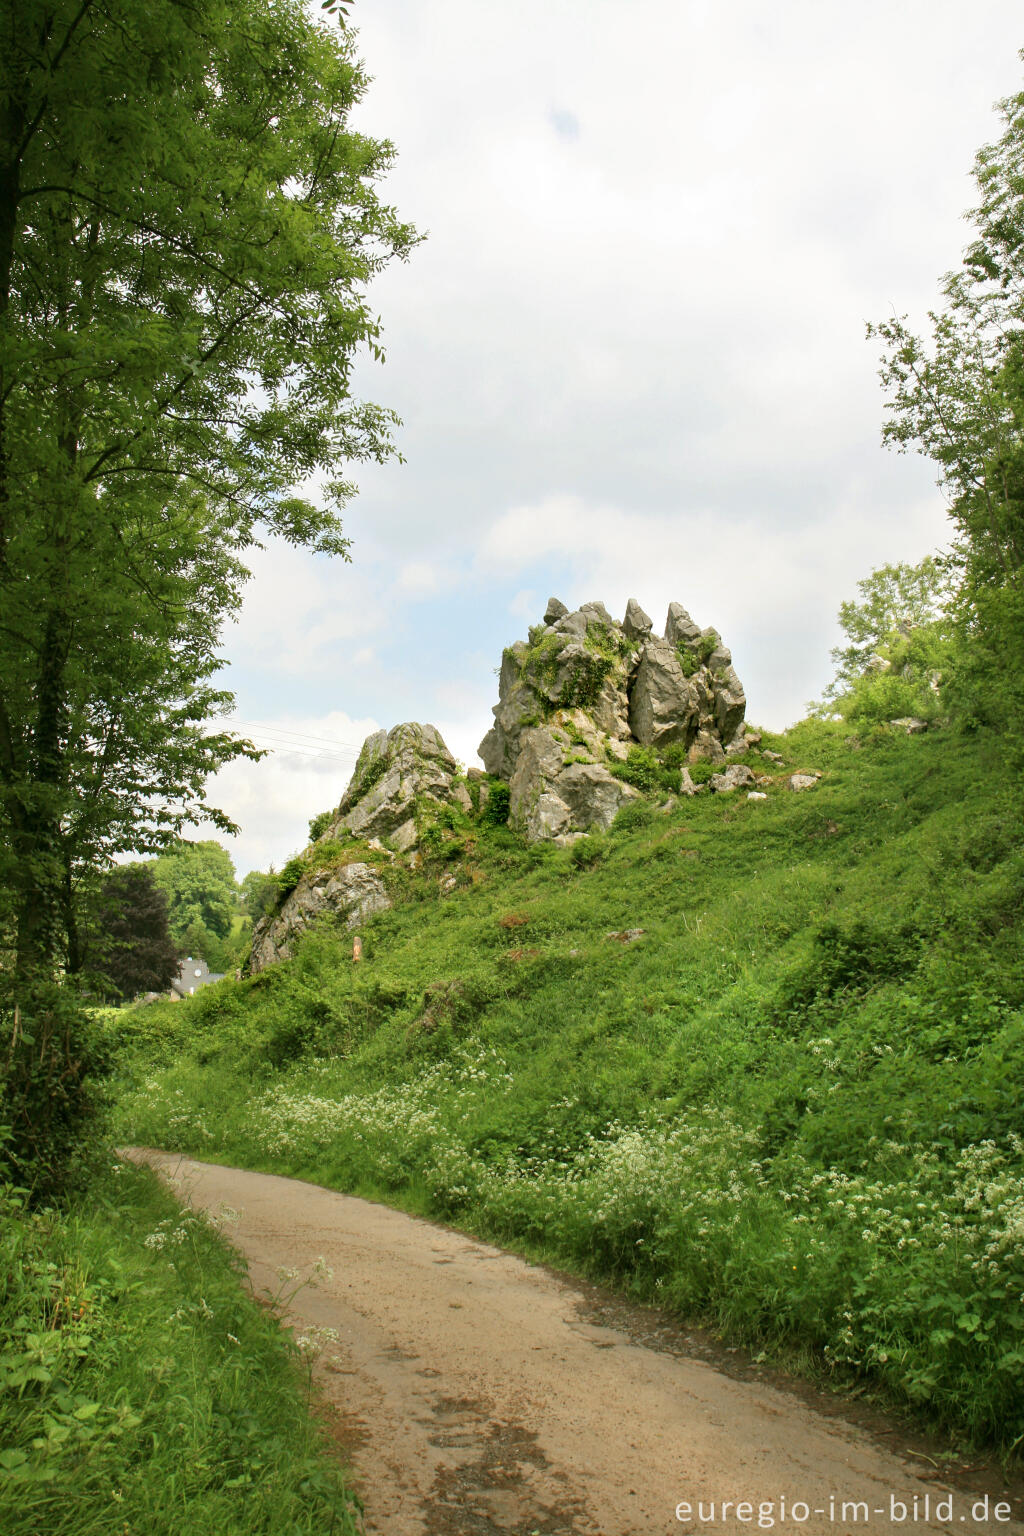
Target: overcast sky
630 356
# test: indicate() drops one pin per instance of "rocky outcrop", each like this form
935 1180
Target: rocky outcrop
736 776
583 690
351 893
398 775
402 778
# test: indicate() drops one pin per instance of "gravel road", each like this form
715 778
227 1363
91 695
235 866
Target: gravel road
478 1395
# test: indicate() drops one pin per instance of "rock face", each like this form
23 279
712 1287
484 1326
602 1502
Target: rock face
397 771
352 893
401 777
664 704
583 690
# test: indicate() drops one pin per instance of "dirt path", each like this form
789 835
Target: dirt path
479 1396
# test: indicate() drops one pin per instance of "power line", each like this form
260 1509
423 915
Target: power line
304 737
267 743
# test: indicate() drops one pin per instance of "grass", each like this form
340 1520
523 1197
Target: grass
142 1391
791 1107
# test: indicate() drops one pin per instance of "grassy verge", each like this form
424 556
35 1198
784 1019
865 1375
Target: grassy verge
791 1106
142 1392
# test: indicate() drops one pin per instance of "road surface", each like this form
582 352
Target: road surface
479 1395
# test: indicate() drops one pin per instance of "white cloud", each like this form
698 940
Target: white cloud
524 604
300 610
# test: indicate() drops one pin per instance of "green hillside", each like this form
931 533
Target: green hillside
789 1106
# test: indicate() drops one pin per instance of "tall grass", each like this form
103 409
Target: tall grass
142 1392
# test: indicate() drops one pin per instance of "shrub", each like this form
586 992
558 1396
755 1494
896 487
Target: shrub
588 852
318 826
496 811
51 1095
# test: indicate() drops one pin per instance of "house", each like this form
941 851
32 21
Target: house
193 974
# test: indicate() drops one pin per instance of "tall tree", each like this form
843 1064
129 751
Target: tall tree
187 228
958 398
198 880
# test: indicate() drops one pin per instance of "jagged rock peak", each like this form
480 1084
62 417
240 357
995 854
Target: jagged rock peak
395 773
402 779
583 690
637 625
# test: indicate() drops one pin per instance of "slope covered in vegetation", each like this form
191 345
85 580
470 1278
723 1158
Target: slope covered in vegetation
790 1105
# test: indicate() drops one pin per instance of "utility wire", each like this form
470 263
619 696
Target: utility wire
304 737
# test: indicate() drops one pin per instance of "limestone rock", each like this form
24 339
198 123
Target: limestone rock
736 776
705 748
610 710
463 799
549 798
395 771
679 627
730 703
912 726
637 625
663 704
352 893
686 784
594 796
597 613
583 691
803 781
743 742
756 794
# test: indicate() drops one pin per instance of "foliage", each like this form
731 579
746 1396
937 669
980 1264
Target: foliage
187 228
199 881
319 824
645 769
496 811
584 674
587 852
900 646
141 1389
909 685
259 893
790 1107
130 943
895 600
958 398
52 1068
693 657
